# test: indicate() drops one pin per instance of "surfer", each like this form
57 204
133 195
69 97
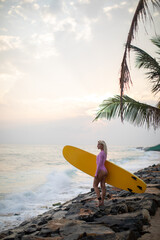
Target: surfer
101 172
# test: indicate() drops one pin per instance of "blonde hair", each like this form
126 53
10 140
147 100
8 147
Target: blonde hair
104 146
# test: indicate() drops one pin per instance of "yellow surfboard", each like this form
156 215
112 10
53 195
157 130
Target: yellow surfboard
117 176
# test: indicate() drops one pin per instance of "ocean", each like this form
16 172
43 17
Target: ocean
35 177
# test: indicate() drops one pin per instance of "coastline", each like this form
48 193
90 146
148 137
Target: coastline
124 215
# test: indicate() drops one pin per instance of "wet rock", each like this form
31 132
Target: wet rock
79 228
127 221
11 237
59 214
46 232
73 212
24 223
30 230
41 222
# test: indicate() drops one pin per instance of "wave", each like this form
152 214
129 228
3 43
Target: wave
22 205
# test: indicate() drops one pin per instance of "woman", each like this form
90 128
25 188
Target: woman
101 172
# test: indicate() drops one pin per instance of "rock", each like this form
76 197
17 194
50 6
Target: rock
24 223
79 228
154 197
73 212
30 230
11 237
149 204
125 194
119 209
127 221
59 214
126 235
46 232
41 238
86 215
41 222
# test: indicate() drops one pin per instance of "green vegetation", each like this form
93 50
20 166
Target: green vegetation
134 111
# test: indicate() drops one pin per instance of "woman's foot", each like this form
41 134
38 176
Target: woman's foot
100 202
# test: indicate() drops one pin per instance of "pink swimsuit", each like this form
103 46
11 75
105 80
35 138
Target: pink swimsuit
101 158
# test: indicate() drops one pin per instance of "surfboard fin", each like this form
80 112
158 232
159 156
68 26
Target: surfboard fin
139 187
130 190
134 178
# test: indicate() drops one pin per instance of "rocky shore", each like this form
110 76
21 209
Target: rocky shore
124 216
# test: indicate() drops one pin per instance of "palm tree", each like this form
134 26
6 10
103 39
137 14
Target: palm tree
134 111
141 12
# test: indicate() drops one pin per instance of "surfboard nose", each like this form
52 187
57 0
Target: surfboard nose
65 151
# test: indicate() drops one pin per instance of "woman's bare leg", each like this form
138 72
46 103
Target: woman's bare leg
95 185
100 179
96 189
103 187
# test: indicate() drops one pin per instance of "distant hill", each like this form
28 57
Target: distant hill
154 148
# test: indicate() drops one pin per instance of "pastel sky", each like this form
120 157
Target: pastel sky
59 60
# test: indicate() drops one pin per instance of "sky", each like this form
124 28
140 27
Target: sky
59 60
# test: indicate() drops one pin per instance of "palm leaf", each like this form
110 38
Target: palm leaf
134 112
144 60
156 42
142 11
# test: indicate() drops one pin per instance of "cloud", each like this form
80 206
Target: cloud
9 74
24 9
28 1
107 10
17 10
10 42
43 45
59 20
131 10
22 108
84 1
156 14
60 16
4 29
85 32
68 18
36 6
37 45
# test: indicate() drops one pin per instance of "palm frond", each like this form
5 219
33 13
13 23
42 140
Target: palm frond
125 74
142 11
156 42
156 3
143 59
135 112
